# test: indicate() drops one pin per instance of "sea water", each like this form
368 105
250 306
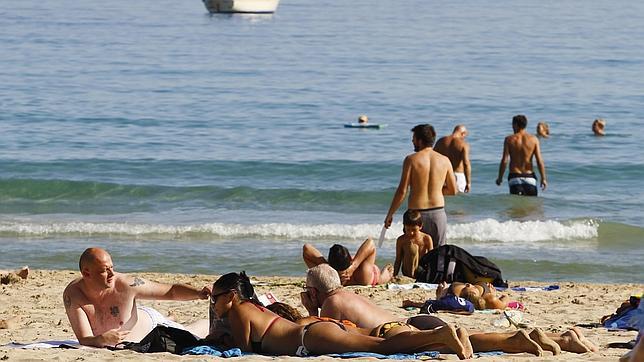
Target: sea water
187 142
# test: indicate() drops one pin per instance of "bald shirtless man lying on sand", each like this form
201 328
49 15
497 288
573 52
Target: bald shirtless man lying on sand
101 304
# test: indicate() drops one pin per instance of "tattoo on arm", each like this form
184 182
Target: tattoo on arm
114 310
137 281
68 301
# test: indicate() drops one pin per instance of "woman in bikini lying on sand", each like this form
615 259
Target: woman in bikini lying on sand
482 295
257 329
534 342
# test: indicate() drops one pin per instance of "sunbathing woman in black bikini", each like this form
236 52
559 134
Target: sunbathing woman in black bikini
255 328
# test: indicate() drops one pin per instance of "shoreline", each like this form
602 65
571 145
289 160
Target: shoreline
37 303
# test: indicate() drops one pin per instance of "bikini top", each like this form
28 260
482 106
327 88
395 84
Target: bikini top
256 346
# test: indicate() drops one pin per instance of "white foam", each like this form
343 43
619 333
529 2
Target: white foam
483 230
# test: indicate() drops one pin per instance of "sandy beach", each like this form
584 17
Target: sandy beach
37 304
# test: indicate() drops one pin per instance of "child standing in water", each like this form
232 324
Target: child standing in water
412 245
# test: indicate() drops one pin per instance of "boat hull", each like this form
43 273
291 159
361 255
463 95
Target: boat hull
241 6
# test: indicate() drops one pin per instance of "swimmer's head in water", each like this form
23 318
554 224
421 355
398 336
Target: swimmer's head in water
598 127
543 129
339 257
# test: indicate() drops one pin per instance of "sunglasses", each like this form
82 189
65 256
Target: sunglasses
213 297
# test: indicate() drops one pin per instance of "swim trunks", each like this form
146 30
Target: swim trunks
435 224
386 327
158 319
523 184
302 351
461 182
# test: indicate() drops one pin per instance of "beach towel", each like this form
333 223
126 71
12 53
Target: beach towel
449 303
428 286
68 343
530 289
212 351
629 315
397 356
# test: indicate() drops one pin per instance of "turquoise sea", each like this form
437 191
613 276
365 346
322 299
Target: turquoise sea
187 142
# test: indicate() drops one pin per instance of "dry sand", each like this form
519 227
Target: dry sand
37 304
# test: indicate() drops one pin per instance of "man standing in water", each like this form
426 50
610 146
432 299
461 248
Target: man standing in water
101 304
425 172
457 150
520 147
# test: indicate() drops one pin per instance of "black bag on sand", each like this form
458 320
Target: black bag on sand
163 339
449 263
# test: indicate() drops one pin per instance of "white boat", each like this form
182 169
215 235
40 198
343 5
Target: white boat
241 6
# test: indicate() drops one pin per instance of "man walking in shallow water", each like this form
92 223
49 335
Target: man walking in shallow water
424 173
101 304
520 147
457 150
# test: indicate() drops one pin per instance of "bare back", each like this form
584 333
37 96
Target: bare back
356 308
428 171
521 148
454 148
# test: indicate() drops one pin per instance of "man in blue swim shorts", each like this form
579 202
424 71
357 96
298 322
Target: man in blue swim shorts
520 148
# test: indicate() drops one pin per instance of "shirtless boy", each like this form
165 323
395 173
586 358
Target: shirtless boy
412 245
520 148
358 270
101 304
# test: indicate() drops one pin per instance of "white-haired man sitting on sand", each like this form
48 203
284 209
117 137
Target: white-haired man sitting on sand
101 304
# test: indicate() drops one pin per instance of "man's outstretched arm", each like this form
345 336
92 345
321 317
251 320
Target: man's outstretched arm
401 191
145 289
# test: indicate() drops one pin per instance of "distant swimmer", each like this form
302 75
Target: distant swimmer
363 119
520 147
424 173
543 130
457 150
598 127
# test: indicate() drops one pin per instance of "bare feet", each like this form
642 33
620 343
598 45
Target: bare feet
570 342
448 336
386 274
544 341
521 342
464 337
584 340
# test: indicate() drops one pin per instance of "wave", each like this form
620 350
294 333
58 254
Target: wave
480 231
